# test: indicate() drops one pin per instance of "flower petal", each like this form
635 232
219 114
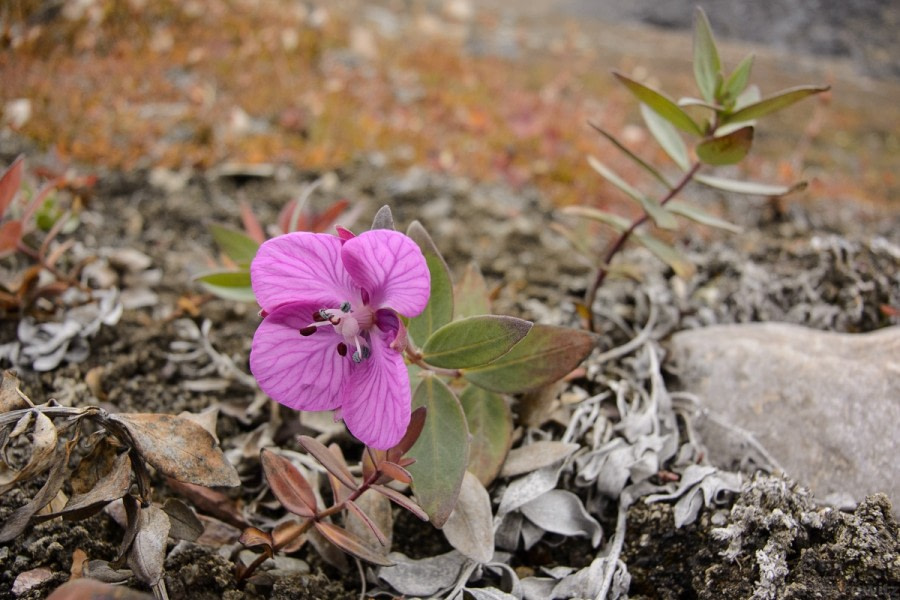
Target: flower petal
301 267
391 268
376 399
304 373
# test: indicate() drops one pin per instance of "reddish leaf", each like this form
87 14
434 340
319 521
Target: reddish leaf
288 536
10 182
253 537
340 491
251 223
288 484
379 535
413 431
10 234
351 544
395 472
328 460
401 500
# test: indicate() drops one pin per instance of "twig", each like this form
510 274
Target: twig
614 249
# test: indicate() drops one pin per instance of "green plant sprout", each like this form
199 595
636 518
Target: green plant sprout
729 109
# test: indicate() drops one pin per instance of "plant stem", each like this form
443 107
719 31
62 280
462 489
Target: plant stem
416 358
619 243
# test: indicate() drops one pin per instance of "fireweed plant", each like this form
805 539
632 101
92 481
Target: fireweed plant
728 108
366 326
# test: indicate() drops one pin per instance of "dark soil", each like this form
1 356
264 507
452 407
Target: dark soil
538 276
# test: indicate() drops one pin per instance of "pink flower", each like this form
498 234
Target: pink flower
331 338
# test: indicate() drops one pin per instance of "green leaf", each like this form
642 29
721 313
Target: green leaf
706 57
693 213
736 83
230 285
666 253
660 216
750 95
667 137
441 452
727 149
640 161
473 341
546 354
439 310
491 427
615 221
777 102
236 245
471 296
750 188
688 101
663 105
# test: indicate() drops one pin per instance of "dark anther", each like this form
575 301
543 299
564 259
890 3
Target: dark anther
308 330
318 318
342 349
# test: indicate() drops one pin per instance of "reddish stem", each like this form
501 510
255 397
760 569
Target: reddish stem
619 243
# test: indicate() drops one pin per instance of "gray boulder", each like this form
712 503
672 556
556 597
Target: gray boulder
823 406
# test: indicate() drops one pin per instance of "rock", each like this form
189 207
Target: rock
823 405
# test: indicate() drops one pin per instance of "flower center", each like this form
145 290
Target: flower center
348 322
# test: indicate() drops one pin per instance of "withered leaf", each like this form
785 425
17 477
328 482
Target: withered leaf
179 448
351 544
102 571
93 467
111 487
288 484
9 396
535 456
210 501
43 446
147 556
184 523
470 527
252 537
132 523
18 520
206 419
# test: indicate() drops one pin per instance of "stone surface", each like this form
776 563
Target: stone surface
825 406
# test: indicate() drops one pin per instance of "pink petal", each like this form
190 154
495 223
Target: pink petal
391 268
304 373
301 267
376 399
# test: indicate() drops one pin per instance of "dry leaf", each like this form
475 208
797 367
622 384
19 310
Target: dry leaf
378 509
111 487
210 501
43 447
184 523
18 520
179 448
147 556
535 456
9 396
470 528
